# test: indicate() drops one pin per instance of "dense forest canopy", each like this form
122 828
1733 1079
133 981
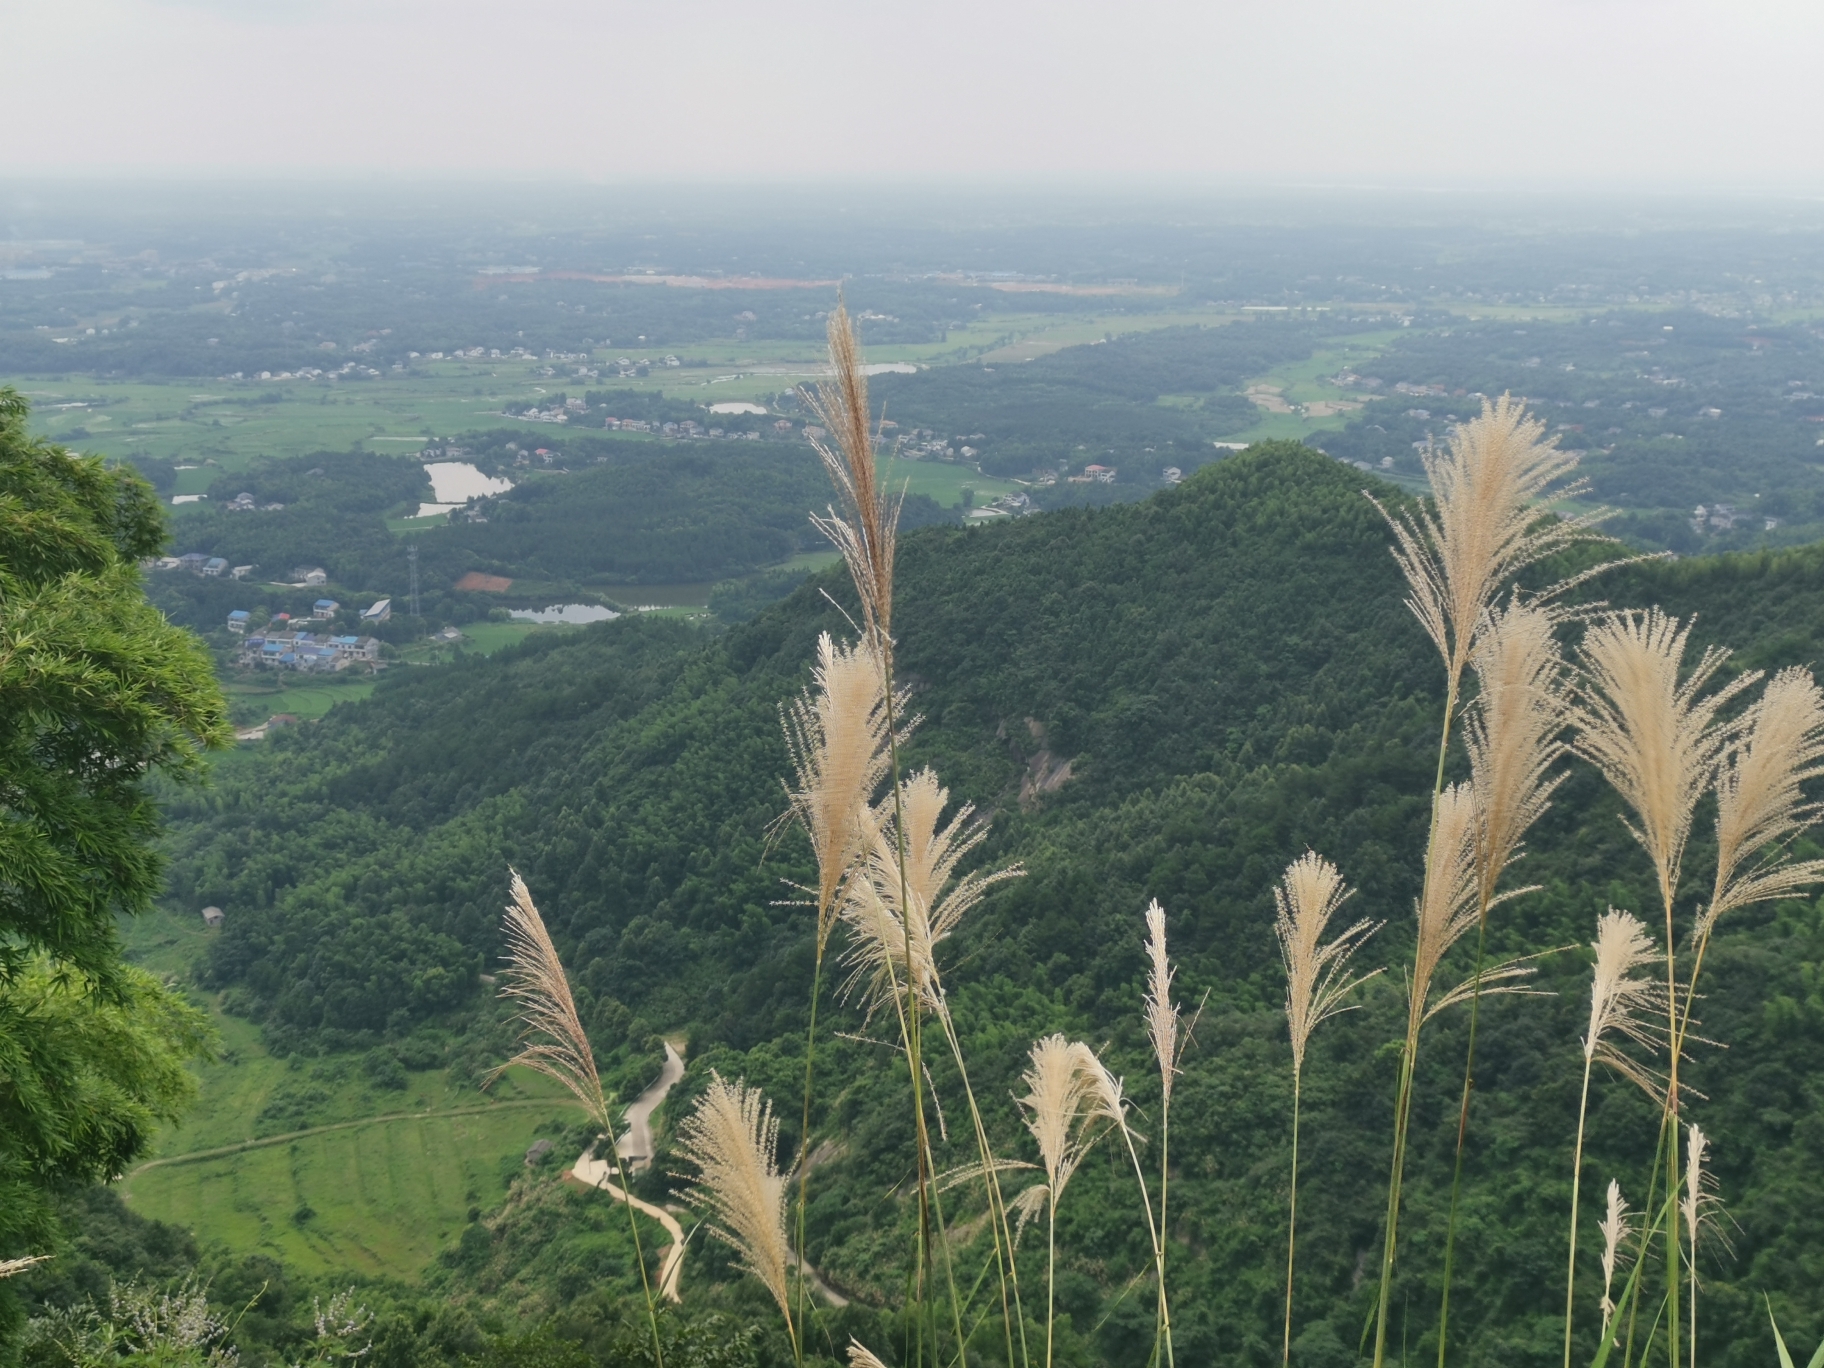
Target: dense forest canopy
1166 699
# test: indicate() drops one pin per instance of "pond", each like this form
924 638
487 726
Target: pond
454 483
574 614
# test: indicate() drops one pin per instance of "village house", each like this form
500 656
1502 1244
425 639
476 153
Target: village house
378 611
237 620
324 608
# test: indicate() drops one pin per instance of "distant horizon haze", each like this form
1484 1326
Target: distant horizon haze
1687 97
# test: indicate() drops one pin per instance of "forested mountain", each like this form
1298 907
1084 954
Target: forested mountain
1166 699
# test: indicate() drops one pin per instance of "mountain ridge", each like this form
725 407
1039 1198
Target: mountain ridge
1231 671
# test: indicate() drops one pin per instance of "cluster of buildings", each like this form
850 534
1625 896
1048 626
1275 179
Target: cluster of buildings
198 563
687 428
1723 517
307 651
1007 506
244 503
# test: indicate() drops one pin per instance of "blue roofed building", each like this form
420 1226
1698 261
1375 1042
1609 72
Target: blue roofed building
237 620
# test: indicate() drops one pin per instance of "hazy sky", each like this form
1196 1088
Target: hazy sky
1674 94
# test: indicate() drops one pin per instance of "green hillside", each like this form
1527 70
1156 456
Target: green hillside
1166 699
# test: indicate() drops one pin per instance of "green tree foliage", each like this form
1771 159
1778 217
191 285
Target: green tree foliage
97 694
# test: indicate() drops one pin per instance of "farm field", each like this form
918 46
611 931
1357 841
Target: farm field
379 1198
301 700
236 422
382 1194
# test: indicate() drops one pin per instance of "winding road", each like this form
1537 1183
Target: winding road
636 1150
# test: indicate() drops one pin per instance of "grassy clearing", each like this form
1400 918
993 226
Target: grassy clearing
303 700
378 1199
942 481
384 1193
485 638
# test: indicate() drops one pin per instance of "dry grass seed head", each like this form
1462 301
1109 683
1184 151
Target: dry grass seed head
860 1356
1616 1226
1699 1203
732 1137
552 1039
1448 909
1622 1004
1514 733
1161 1011
865 528
1482 528
1062 1100
935 900
836 733
1307 897
1656 739
1760 799
1025 1207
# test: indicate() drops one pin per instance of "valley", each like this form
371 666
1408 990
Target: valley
1152 636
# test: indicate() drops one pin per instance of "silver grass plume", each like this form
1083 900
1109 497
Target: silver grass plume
865 528
860 1356
1514 734
1482 527
1306 898
1620 1002
1060 1105
732 1137
1317 983
1448 910
883 932
1696 1206
552 1039
1162 1017
1657 740
553 1042
1616 1226
836 733
1067 1091
1760 802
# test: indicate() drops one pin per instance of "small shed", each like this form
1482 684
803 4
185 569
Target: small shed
212 916
540 1148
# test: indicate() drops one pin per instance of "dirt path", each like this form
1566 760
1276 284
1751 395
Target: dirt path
594 1173
223 1151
